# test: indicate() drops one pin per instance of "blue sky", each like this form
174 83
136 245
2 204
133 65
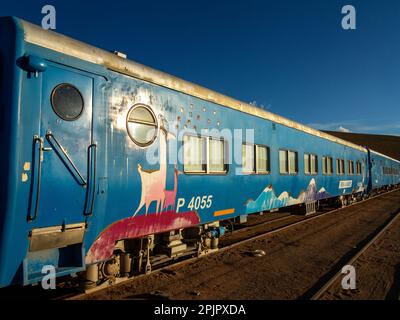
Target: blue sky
290 56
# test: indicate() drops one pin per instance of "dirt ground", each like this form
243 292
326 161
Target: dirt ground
297 261
377 271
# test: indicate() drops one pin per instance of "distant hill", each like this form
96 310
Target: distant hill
388 145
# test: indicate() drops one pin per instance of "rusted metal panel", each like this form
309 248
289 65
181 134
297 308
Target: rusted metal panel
69 46
137 227
56 237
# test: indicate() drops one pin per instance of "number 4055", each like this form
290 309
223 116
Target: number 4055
195 203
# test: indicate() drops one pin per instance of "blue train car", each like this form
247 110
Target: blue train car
384 170
110 166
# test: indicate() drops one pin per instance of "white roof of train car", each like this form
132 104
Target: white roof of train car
385 156
63 44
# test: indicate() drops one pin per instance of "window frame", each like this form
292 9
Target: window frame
308 163
325 160
156 125
206 156
358 166
52 102
310 157
256 170
339 162
253 171
350 165
288 173
224 154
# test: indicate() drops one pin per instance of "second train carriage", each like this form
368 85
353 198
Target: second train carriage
89 180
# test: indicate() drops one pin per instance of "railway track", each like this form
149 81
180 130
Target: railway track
326 285
287 222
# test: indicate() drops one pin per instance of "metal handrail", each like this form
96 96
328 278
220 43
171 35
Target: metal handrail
37 139
92 178
49 135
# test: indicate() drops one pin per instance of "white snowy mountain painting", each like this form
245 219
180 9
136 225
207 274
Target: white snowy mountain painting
268 200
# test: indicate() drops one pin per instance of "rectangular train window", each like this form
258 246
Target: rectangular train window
283 163
288 162
310 163
307 169
248 158
194 154
358 168
216 150
204 155
327 165
340 166
262 159
255 159
350 167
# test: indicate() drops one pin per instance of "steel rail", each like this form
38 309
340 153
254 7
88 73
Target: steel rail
332 280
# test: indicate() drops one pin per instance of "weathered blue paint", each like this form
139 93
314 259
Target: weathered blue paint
26 111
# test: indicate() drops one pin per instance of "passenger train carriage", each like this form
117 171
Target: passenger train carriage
90 172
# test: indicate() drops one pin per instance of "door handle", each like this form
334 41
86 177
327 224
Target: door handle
39 159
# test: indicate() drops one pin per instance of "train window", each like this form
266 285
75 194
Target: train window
193 154
310 164
307 169
293 162
288 162
283 162
340 166
358 168
255 159
247 158
141 125
314 164
216 155
204 155
262 159
388 170
350 167
327 165
67 102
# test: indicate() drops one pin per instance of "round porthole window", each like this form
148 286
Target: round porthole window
141 125
67 102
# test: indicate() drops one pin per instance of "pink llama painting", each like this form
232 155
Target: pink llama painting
154 181
170 195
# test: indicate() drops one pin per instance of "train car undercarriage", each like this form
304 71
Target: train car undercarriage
133 257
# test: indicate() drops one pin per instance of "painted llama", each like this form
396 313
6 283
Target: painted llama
170 195
154 181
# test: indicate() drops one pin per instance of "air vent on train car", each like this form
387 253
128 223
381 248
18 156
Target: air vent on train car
120 54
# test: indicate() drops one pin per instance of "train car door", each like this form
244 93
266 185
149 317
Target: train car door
66 194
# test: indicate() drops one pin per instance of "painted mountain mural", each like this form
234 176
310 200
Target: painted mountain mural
268 200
